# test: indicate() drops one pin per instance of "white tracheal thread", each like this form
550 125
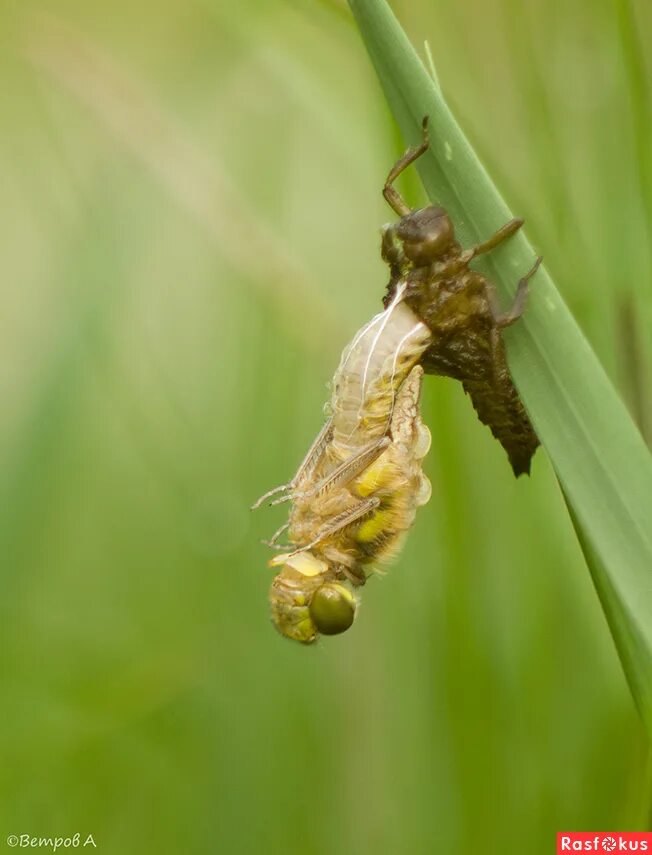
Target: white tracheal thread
361 333
415 329
400 290
381 317
364 392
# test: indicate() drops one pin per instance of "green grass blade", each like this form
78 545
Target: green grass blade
601 461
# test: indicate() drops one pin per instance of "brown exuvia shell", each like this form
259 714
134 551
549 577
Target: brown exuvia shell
460 307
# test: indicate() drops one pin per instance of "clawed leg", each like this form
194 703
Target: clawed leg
307 466
505 319
344 473
279 531
268 495
390 192
339 522
502 234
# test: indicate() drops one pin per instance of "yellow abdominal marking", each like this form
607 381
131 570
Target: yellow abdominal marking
378 523
379 474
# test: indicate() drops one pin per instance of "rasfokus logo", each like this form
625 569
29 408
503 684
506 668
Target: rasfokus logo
604 841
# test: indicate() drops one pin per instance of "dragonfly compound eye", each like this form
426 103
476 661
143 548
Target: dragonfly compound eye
332 608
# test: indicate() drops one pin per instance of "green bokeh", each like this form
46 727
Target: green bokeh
189 238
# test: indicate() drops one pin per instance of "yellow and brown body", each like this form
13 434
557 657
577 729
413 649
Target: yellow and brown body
357 491
341 556
395 479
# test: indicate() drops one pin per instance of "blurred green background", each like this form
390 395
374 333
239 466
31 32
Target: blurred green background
190 235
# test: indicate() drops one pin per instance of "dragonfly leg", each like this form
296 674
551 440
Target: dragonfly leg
497 238
280 489
279 531
505 319
341 521
307 466
351 468
390 192
344 473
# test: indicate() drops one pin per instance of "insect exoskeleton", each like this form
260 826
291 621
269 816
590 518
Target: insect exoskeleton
461 308
306 599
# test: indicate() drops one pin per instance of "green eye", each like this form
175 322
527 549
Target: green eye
332 609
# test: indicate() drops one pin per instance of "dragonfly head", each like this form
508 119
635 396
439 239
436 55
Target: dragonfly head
307 601
425 234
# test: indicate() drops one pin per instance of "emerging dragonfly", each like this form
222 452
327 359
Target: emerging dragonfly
360 484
